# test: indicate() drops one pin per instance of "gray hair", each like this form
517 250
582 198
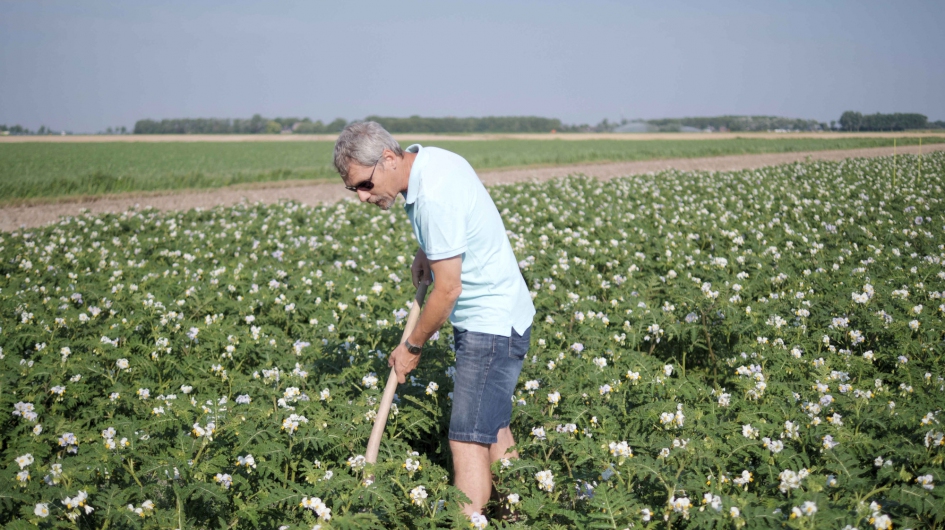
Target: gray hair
363 142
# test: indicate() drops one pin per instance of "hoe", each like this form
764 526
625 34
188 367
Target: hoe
374 443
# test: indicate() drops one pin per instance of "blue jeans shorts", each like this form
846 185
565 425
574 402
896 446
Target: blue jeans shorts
487 368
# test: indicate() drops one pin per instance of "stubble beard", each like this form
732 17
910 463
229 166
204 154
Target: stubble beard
384 203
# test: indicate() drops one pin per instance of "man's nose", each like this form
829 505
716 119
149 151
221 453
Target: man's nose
364 195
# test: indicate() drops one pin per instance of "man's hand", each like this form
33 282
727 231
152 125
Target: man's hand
403 362
420 270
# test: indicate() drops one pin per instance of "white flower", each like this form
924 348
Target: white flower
926 481
478 521
809 508
546 481
554 398
357 462
775 446
369 381
621 450
24 460
418 495
122 364
41 509
749 432
791 480
714 501
224 480
291 424
412 466
316 505
680 505
881 522
744 478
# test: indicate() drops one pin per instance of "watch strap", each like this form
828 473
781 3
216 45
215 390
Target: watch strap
412 348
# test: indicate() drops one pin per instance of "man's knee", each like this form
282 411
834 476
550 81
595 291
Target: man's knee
468 448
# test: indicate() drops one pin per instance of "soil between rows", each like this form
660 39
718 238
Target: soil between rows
20 217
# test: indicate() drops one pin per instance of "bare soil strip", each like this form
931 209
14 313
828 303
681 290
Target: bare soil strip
227 138
17 217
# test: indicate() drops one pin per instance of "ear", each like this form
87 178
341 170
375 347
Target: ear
389 156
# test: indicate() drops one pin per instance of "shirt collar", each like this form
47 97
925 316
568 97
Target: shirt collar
413 184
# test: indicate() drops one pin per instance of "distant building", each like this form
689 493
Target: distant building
636 127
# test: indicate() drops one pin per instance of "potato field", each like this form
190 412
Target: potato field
754 349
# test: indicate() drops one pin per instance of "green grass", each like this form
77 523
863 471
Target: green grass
54 170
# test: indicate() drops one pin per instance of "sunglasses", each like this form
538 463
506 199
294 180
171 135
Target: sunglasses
365 185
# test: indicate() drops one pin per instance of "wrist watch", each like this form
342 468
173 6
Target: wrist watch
412 348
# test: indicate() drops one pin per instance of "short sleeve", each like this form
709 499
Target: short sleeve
442 227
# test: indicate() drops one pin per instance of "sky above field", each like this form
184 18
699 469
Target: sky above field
84 66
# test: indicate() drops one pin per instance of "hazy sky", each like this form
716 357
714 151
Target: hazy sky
86 65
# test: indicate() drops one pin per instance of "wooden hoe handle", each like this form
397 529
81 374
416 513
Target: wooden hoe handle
380 422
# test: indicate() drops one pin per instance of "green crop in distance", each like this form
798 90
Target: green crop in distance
51 170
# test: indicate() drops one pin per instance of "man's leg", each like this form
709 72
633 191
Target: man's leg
471 463
500 449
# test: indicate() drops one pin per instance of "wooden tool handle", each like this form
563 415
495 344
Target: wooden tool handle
380 422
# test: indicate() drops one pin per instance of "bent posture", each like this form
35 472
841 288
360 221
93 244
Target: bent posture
463 245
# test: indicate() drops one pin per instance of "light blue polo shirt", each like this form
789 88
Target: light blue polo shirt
452 214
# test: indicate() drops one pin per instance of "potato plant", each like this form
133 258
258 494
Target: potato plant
751 349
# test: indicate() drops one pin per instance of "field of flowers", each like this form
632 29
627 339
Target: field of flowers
751 349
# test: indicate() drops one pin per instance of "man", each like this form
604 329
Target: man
463 245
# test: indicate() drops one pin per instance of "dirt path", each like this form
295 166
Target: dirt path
13 218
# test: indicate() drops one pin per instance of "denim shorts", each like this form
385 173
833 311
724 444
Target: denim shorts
487 368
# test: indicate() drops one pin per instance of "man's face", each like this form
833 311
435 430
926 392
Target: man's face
382 194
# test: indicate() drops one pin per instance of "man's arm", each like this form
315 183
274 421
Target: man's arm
446 291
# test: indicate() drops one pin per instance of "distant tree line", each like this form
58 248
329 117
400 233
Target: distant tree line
488 124
738 124
849 121
20 130
855 121
255 125
414 124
